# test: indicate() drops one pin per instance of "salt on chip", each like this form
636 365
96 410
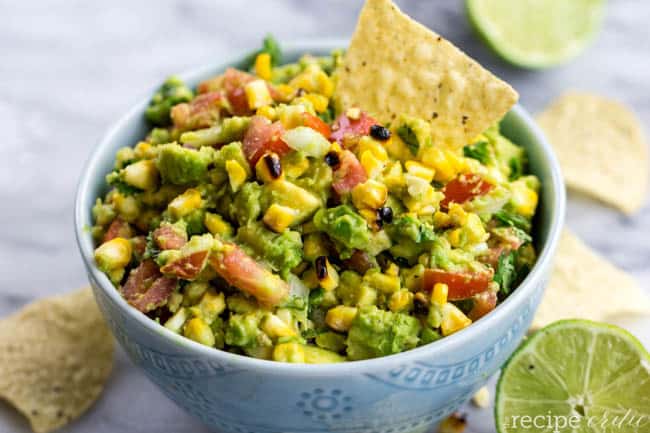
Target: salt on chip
55 356
586 286
395 66
601 148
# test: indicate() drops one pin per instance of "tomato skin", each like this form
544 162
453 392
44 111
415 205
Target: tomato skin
484 302
315 123
343 126
262 137
461 285
118 229
188 267
348 174
463 188
168 239
156 295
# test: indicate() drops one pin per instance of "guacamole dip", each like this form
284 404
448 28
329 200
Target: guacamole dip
256 219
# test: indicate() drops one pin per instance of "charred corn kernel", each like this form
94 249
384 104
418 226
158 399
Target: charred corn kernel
384 283
211 305
196 329
328 277
367 143
353 113
269 168
113 254
185 203
267 111
236 174
340 317
439 294
257 94
275 327
416 169
456 423
437 159
524 199
127 206
393 176
370 215
319 102
142 174
217 225
279 217
455 237
482 398
441 219
371 164
457 214
289 352
402 300
176 322
370 194
263 66
313 80
453 319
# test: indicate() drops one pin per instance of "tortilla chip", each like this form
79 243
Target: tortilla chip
601 148
586 286
55 356
395 66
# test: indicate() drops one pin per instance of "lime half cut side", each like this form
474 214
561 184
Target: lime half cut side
536 33
576 376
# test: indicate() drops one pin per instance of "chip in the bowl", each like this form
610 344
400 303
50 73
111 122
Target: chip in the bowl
586 286
55 356
601 148
395 66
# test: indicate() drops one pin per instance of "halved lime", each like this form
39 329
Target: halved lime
536 33
576 376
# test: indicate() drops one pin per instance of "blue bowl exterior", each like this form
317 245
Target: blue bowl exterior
410 392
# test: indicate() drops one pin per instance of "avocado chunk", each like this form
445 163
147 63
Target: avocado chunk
172 92
282 251
181 166
376 333
343 224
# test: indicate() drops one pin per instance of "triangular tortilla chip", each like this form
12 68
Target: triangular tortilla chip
586 286
55 356
601 148
395 66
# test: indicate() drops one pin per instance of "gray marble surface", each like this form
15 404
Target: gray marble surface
68 68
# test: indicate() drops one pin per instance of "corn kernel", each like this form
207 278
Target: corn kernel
257 94
453 320
313 80
275 327
285 91
113 254
416 169
236 174
142 174
393 176
438 160
176 322
392 270
482 398
263 66
439 294
126 206
143 150
196 329
319 102
371 164
340 318
267 111
328 277
455 423
370 215
524 199
367 143
185 203
455 237
217 225
441 219
269 168
386 284
289 352
370 194
353 113
402 300
457 214
291 116
279 217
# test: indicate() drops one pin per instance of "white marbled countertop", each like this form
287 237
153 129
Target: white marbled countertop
68 68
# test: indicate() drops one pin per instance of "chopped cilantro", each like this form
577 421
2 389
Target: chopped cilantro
516 169
506 273
115 180
508 218
478 151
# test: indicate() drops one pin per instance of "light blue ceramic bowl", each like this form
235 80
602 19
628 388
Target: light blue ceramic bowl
408 392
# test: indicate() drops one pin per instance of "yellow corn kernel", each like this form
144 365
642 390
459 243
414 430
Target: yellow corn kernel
267 111
482 398
279 217
402 300
196 329
217 225
257 94
455 237
457 214
392 270
397 149
126 206
113 254
328 277
436 158
441 219
416 169
335 147
474 229
313 80
371 164
185 203
340 317
269 168
142 174
275 327
236 174
453 319
285 91
353 113
289 352
263 66
319 102
456 160
439 294
524 199
393 176
370 215
143 150
211 305
384 283
367 143
370 194
314 247
295 165
291 116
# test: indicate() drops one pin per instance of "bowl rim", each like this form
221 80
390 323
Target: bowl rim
456 341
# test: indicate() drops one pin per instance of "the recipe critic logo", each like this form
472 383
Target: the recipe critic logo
575 421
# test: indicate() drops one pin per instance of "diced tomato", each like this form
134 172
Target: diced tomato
140 279
188 267
201 112
238 102
262 137
156 295
491 256
461 285
343 126
315 123
118 229
484 302
463 188
244 273
348 174
168 238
